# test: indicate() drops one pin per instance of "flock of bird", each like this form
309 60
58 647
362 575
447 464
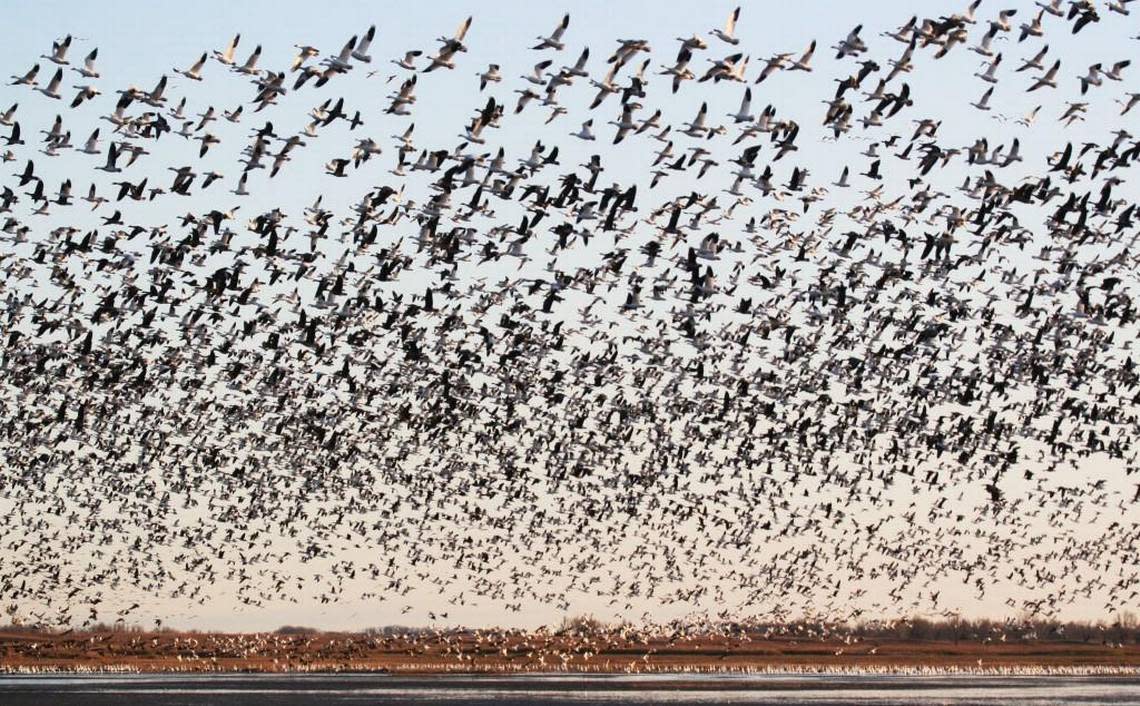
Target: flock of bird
657 362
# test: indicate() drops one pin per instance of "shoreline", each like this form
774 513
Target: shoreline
489 653
789 670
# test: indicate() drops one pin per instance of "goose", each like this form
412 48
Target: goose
905 33
728 33
9 116
1002 23
59 51
1119 6
970 15
118 117
585 133
155 97
88 69
579 67
408 60
249 68
904 64
1049 79
1033 29
1133 99
491 75
536 76
736 71
27 79
989 76
525 96
240 190
709 247
460 35
842 183
742 115
721 69
626 124
91 146
444 57
852 44
1029 118
226 56
985 47
984 102
1036 61
804 62
605 87
360 53
208 140
450 48
1053 7
773 64
1114 74
554 41
112 157
194 73
85 93
402 99
52 89
1014 154
697 128
1092 78
94 199
179 111
692 42
680 70
304 53
339 63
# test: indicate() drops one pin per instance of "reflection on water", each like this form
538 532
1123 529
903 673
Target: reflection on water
330 690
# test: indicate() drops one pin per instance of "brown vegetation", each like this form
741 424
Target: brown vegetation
585 644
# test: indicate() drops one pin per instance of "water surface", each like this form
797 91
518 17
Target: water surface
330 690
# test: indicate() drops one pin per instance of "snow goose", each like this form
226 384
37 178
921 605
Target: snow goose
554 41
88 69
226 56
729 31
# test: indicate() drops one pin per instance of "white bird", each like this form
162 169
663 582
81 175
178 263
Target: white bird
984 102
554 41
990 74
1092 78
536 75
194 73
1114 74
743 115
88 69
728 34
697 128
226 56
1049 79
491 75
91 146
52 89
804 62
59 51
585 133
407 62
360 53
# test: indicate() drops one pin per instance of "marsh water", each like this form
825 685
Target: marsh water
329 690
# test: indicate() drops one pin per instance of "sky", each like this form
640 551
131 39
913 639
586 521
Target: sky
139 42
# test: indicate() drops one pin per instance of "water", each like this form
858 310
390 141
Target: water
331 690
